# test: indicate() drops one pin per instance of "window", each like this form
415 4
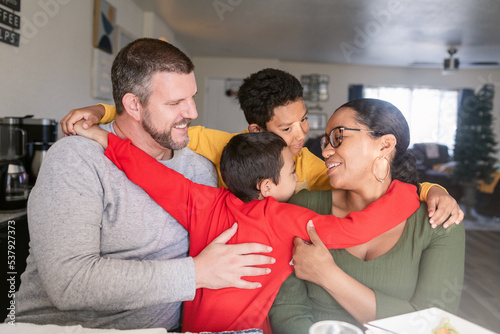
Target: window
431 113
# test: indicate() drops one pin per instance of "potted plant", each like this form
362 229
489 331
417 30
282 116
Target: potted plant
474 143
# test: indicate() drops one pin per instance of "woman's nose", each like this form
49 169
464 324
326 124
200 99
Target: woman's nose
328 151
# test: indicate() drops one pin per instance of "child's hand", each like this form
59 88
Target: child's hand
443 208
94 132
92 115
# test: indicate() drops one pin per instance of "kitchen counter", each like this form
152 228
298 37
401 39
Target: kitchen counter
5 216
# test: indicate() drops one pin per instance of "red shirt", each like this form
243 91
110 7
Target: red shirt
207 211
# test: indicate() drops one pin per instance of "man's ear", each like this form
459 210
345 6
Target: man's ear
265 186
255 128
132 106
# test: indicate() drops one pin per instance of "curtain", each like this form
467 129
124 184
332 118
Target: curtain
355 92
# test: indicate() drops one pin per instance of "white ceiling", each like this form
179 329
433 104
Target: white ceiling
370 32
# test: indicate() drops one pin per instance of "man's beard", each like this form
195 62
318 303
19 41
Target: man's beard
164 138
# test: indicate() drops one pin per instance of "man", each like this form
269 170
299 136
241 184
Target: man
102 253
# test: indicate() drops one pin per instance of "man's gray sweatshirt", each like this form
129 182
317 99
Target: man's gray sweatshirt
102 253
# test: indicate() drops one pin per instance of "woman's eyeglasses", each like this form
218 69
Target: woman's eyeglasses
336 136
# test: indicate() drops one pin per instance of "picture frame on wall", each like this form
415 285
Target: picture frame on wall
104 26
102 87
123 37
317 121
315 87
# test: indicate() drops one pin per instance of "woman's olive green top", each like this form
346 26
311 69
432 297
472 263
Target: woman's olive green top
424 269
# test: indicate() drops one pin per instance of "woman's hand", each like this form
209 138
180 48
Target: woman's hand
443 208
311 259
313 262
92 115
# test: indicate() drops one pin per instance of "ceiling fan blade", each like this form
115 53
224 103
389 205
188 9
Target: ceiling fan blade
423 63
482 63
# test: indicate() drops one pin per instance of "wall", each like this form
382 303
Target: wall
341 76
224 68
50 72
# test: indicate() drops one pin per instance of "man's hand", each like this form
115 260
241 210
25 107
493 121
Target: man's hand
311 260
441 206
222 266
92 115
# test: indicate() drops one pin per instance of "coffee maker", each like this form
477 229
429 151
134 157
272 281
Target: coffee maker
41 133
13 176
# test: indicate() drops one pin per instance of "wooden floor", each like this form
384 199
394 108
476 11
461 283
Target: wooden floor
481 294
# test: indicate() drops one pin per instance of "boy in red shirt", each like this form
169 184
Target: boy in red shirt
258 169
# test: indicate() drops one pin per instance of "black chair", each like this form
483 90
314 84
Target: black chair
487 203
429 156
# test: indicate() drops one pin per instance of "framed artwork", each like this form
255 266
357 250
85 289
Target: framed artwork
101 75
317 121
315 87
123 37
104 26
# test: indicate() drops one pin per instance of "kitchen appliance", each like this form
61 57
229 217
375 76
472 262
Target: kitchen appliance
41 133
13 177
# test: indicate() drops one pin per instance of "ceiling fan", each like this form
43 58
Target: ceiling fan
452 64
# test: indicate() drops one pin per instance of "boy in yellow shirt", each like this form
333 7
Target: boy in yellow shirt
272 101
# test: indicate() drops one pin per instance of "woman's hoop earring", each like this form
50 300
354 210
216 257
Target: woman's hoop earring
375 173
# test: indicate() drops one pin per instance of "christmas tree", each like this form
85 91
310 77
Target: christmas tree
475 143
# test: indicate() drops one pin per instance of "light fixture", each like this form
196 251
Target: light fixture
451 64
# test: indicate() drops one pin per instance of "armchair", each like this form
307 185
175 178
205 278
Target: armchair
434 165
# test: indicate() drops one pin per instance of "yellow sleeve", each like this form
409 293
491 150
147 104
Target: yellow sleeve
311 171
424 189
110 114
209 143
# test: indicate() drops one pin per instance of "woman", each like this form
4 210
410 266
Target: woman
408 268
